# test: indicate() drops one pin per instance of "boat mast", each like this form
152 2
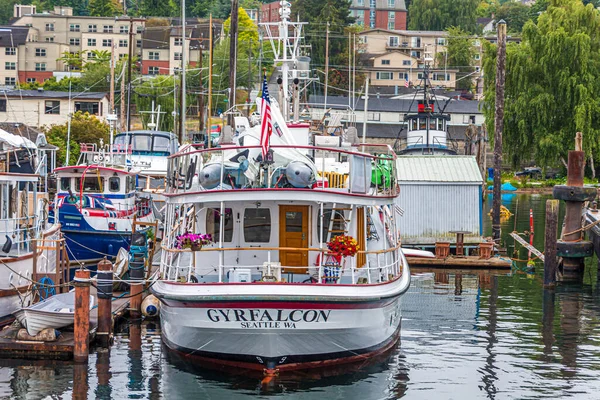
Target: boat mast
183 59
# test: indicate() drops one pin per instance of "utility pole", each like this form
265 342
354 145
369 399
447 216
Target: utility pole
365 116
499 126
233 35
249 78
201 96
122 119
129 68
326 67
112 78
210 76
182 113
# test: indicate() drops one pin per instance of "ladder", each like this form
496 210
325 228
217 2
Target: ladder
342 218
371 230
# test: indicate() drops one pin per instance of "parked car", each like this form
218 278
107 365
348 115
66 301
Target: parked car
536 173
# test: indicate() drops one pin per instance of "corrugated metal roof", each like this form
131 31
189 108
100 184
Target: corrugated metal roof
455 169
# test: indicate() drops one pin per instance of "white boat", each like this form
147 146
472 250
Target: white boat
267 294
55 312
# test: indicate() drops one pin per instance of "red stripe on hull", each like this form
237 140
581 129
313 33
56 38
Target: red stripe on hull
284 305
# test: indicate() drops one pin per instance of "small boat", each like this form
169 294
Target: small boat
55 312
417 253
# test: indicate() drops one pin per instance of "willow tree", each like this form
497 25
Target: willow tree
552 82
437 15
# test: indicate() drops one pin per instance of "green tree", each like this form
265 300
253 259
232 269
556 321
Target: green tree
459 56
552 81
73 61
157 8
85 128
160 90
515 15
437 15
105 8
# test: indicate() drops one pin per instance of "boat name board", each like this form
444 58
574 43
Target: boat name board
274 318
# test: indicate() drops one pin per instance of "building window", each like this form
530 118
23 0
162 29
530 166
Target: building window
415 54
391 15
406 62
441 41
40 52
92 28
122 56
91 56
153 71
10 66
87 107
440 76
477 56
391 3
74 41
385 76
393 42
10 81
123 29
50 39
123 43
40 66
420 75
153 55
257 225
52 107
360 17
138 43
403 76
49 27
177 56
30 80
178 41
373 116
391 25
2 105
91 42
74 28
385 62
10 51
139 29
415 42
106 42
107 29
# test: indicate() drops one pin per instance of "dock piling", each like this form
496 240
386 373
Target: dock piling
105 292
136 273
550 260
82 315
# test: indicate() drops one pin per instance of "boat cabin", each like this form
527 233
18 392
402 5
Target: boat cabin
426 133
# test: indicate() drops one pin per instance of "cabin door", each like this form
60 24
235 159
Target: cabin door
293 232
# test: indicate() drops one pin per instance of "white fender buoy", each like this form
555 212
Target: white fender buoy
150 306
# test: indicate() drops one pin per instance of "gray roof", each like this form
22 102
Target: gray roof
49 94
14 38
156 37
407 33
470 107
446 168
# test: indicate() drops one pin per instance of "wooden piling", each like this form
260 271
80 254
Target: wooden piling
82 315
136 274
105 292
550 259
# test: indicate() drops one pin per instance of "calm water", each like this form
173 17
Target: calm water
464 336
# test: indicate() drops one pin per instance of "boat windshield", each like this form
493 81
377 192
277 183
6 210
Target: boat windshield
147 144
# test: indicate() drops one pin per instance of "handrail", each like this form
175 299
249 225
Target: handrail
313 249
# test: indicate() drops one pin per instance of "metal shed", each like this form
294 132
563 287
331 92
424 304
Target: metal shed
439 195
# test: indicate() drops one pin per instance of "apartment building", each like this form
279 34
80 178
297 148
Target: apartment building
163 46
39 108
11 40
396 56
380 14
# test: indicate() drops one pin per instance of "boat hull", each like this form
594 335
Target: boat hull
93 245
283 326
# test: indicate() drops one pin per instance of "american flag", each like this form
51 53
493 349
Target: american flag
405 82
265 118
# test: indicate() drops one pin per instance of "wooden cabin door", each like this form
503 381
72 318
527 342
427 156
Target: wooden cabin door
293 232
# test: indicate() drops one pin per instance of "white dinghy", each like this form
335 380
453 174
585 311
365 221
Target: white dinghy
55 312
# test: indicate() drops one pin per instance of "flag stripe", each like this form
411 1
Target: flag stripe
266 120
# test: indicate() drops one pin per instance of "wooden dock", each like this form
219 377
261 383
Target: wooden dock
473 262
63 347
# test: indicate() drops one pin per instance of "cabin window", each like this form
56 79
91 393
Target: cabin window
338 224
4 195
91 184
130 183
65 183
432 123
161 144
213 221
440 124
257 225
114 183
142 142
422 124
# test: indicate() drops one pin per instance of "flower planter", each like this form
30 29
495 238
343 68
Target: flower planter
196 248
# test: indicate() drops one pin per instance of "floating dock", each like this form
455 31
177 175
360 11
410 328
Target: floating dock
474 262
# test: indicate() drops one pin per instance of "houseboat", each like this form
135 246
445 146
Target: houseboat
96 203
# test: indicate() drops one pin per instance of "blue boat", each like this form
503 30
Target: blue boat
96 206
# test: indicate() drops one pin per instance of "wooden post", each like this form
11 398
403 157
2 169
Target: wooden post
550 259
129 68
499 126
233 36
136 273
82 315
105 292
